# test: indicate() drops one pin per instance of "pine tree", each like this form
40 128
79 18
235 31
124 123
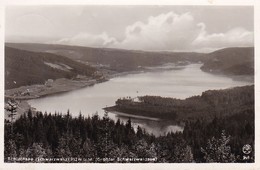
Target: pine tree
11 107
183 154
105 145
36 151
217 150
87 150
63 150
139 132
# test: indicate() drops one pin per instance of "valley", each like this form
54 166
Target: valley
52 69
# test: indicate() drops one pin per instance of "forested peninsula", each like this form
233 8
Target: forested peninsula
210 104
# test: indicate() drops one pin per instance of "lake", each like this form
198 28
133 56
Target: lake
168 81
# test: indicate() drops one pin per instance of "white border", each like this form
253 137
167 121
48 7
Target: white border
129 2
150 166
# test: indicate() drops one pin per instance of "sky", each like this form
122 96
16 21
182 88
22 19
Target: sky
150 28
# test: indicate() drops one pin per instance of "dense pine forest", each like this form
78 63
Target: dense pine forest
62 138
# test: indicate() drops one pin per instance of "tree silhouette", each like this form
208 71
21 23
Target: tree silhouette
11 107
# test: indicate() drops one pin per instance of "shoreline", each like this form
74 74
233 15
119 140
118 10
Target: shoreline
63 85
59 86
131 116
247 78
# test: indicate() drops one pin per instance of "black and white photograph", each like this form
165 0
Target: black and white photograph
129 84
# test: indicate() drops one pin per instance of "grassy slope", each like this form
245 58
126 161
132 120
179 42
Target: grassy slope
27 68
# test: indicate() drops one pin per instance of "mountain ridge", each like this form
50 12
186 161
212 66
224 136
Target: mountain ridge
235 61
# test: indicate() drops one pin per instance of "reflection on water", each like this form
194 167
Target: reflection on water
156 127
177 83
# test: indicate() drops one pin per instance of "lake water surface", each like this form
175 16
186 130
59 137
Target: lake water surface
178 82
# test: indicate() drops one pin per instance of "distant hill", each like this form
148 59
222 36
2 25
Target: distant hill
228 61
114 59
27 68
231 61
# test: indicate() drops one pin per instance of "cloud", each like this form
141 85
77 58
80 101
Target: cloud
167 31
234 37
90 40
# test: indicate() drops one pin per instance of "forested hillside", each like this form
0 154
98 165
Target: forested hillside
212 103
227 61
27 68
114 59
231 61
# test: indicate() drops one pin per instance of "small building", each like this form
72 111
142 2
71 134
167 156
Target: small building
49 83
26 93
